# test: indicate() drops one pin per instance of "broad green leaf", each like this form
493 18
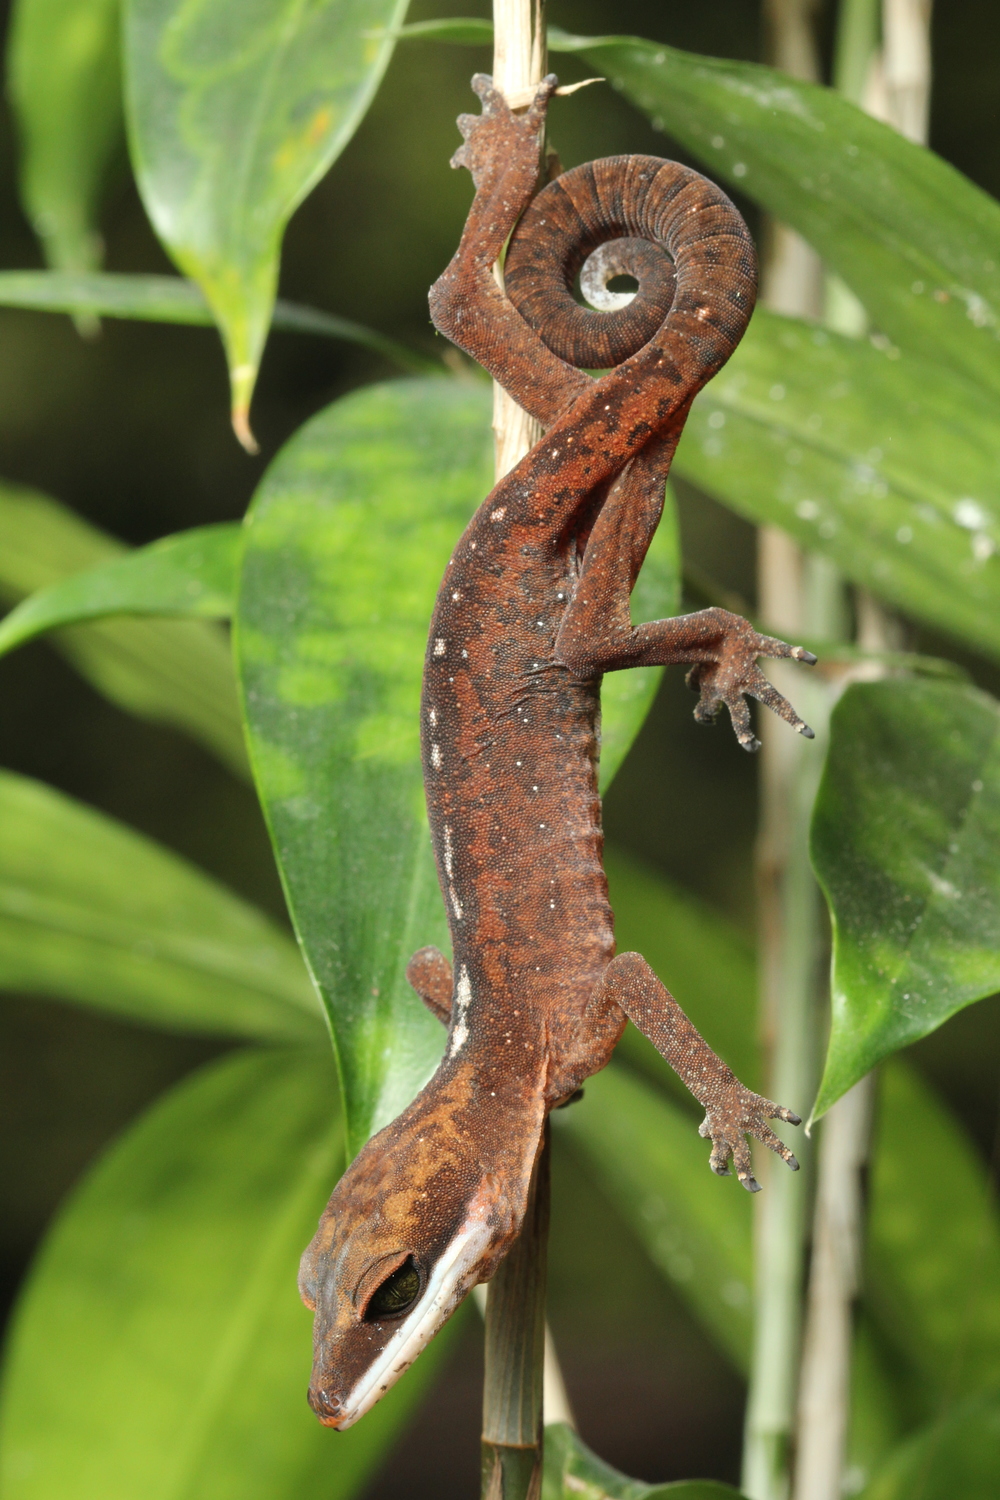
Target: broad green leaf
173 299
346 543
65 87
959 1456
913 238
167 1285
573 1472
703 960
904 840
190 573
933 1280
234 115
653 1165
93 912
888 464
174 671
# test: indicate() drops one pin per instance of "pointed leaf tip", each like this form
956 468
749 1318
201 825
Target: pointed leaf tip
243 430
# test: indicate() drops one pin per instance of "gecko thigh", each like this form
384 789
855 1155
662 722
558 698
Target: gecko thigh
430 974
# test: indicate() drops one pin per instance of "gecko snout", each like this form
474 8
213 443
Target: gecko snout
327 1406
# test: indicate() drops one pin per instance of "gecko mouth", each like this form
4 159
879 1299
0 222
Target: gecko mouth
450 1279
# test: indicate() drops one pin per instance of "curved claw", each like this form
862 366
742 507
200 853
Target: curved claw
730 1120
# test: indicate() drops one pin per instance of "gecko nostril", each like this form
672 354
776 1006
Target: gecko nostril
324 1403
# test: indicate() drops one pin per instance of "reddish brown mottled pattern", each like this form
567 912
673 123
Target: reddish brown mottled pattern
533 608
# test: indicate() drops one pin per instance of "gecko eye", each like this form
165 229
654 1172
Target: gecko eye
397 1293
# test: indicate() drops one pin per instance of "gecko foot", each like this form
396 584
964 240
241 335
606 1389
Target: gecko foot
498 135
731 674
733 1116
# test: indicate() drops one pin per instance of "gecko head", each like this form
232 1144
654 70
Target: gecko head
412 1226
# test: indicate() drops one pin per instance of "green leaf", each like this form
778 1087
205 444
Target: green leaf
653 1165
912 237
674 932
234 116
573 1472
93 912
957 1456
905 833
933 1279
888 464
346 543
174 671
65 87
190 573
173 299
168 1284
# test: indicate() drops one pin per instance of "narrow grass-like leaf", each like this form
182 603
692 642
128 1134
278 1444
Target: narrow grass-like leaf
174 671
168 1282
347 541
190 573
234 115
674 933
65 86
173 299
573 1472
933 1280
94 912
957 1456
888 464
653 1165
904 841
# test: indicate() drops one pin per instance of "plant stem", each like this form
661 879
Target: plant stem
894 84
515 1356
514 1377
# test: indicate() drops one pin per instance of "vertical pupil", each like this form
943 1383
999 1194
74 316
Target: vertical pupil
396 1293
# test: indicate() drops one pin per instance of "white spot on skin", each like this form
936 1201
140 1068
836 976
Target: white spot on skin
449 856
499 513
456 905
463 998
456 595
432 714
440 647
437 760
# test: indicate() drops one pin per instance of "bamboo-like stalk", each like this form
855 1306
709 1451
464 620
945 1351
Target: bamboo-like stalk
894 83
513 1384
515 1347
798 597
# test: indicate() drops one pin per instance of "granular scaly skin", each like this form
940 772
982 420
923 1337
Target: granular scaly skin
533 609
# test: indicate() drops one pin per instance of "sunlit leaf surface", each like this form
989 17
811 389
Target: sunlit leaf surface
235 113
888 464
168 1284
572 1472
347 541
65 87
904 842
191 573
94 912
174 671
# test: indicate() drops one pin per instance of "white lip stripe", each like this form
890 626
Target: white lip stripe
422 1324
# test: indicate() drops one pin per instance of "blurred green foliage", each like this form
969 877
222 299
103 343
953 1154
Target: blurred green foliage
169 1275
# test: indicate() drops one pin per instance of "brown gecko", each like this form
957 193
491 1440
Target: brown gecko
533 608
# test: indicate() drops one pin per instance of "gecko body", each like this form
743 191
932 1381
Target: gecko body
533 609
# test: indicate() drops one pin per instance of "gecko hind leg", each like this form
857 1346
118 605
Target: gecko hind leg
732 1111
430 974
596 633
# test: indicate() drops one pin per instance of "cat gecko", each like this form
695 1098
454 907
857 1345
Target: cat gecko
533 609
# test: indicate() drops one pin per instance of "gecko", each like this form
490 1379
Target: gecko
532 611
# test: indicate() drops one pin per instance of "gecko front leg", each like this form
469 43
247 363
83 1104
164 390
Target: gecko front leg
732 1111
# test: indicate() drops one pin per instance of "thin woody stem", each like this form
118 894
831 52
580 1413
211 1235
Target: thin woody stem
514 1373
515 1356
